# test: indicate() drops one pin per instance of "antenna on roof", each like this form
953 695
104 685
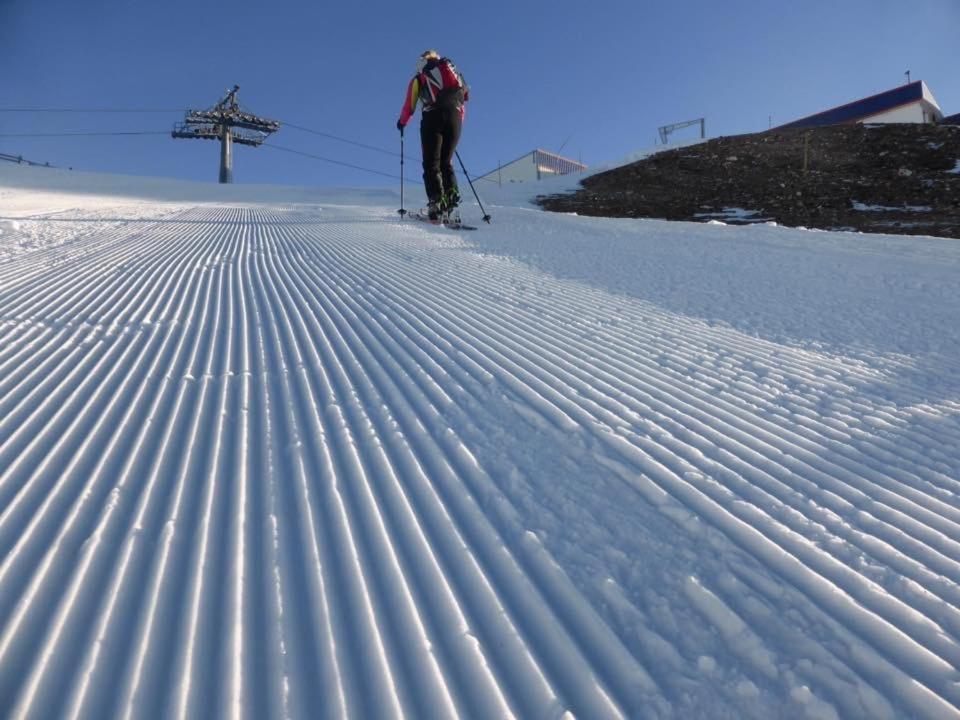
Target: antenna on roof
228 123
907 73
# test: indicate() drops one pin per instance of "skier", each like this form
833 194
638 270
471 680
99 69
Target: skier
440 87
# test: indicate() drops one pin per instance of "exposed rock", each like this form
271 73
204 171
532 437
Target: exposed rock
904 173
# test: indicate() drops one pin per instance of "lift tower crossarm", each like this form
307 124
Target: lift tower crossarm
667 129
229 124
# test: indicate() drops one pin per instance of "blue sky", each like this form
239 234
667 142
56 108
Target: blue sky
600 76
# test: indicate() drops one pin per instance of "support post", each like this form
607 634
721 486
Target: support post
226 154
230 124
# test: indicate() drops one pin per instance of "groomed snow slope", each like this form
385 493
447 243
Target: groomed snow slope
275 453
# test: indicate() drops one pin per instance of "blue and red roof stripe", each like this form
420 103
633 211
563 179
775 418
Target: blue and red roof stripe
860 109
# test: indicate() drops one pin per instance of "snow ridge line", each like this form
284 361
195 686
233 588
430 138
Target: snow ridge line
145 505
260 421
351 323
333 350
117 495
940 508
942 608
950 646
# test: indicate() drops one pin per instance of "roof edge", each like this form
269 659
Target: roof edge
919 85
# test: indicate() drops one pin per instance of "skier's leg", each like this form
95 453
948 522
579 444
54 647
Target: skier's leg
452 127
431 137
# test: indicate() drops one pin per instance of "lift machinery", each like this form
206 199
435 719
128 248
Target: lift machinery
229 123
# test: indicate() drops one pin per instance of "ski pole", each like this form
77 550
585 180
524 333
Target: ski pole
486 217
401 210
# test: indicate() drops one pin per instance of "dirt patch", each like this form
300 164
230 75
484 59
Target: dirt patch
872 178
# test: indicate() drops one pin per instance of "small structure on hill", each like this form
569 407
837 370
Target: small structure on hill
534 165
666 130
910 103
229 124
21 160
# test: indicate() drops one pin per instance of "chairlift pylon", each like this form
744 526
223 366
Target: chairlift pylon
229 123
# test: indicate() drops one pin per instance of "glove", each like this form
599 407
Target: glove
400 127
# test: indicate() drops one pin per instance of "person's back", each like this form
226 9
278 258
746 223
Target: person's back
441 85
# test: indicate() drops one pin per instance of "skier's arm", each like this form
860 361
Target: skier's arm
466 95
410 102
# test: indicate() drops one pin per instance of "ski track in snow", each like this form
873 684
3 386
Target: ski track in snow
280 462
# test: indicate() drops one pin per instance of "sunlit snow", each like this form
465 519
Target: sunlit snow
275 452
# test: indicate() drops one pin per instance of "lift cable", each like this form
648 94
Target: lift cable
294 126
164 132
340 139
82 134
87 110
334 162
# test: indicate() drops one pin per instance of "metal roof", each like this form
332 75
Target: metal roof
867 107
543 159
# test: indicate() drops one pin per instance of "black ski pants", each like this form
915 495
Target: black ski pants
439 135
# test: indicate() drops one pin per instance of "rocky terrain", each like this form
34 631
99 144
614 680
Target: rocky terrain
871 178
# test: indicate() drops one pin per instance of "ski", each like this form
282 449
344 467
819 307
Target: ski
449 223
459 226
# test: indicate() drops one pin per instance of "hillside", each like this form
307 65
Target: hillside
870 178
277 453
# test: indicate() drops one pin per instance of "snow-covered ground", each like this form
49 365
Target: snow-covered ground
272 452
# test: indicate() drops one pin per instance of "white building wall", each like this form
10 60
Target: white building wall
520 170
934 113
931 100
536 165
912 113
918 112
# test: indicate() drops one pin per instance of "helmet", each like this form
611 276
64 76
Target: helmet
425 57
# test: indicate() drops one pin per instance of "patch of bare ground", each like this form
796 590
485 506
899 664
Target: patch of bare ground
899 178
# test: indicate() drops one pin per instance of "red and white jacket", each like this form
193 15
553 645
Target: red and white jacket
439 84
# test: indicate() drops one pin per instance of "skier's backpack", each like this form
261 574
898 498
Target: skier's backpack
441 84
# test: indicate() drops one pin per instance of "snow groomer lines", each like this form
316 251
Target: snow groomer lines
297 461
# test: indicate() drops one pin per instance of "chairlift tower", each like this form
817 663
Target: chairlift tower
667 129
229 124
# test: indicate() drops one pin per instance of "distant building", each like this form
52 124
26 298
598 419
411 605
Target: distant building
911 103
534 166
951 120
